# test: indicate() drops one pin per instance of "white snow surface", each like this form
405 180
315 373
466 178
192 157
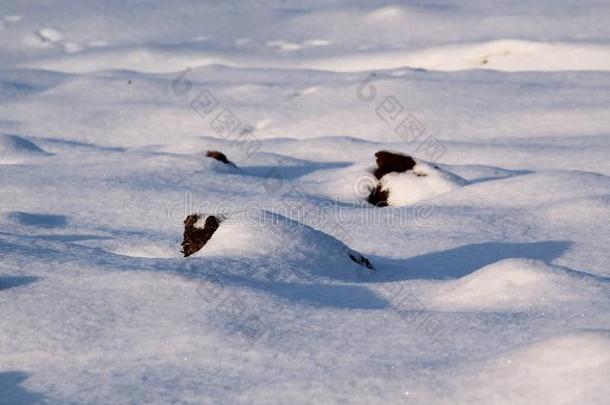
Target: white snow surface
15 149
490 287
422 183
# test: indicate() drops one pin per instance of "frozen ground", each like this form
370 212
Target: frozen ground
494 292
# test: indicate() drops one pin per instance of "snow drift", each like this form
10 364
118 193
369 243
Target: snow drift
514 284
403 180
267 237
16 149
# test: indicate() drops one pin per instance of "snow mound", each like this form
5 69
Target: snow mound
15 149
513 55
425 181
265 237
549 187
568 369
358 182
519 283
404 180
502 54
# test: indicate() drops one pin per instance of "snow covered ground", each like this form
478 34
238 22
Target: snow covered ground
492 290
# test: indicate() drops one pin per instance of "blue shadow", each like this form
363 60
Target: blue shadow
11 391
461 261
39 220
16 281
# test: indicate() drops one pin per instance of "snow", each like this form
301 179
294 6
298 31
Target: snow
518 284
582 358
423 182
490 281
15 149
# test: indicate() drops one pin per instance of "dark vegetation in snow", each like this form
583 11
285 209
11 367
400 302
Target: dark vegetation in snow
388 162
361 260
195 238
221 157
